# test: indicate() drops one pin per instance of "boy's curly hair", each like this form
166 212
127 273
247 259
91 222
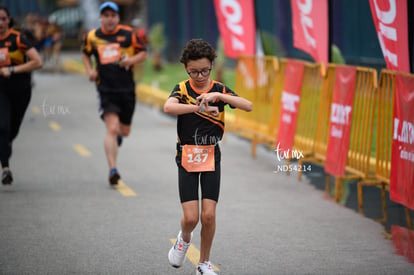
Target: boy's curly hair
196 49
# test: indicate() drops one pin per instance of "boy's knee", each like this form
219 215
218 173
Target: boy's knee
207 218
191 220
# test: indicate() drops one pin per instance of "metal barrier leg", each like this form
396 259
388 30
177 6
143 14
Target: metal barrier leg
408 218
288 165
338 189
328 184
384 204
300 162
360 199
254 144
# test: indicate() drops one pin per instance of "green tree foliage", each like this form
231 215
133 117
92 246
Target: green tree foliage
157 42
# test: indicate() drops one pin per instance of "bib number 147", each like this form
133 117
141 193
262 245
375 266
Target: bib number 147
196 158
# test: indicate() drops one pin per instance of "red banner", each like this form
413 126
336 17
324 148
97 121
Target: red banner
290 105
402 151
237 26
390 19
403 239
340 120
310 28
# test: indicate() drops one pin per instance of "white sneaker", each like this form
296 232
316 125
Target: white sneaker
205 269
176 255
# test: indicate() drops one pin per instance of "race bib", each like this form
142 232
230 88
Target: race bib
109 53
198 158
4 57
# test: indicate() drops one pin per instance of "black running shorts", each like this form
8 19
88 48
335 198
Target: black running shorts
121 103
188 182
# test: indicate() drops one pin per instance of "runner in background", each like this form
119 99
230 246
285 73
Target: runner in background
199 105
55 34
116 49
18 58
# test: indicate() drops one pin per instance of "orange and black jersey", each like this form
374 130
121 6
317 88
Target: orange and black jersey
13 47
108 49
200 128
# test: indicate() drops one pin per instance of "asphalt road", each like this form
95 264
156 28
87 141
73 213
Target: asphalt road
61 217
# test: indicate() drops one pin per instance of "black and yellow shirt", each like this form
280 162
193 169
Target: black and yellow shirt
200 128
108 49
13 48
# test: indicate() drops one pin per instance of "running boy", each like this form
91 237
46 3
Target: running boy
199 104
116 49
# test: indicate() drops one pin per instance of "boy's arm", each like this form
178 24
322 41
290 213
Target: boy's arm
235 101
173 107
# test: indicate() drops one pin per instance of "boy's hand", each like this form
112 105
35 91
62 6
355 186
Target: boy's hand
208 97
212 110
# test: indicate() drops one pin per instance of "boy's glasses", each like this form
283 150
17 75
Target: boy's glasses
203 72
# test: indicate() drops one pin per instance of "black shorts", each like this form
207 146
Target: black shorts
188 182
121 103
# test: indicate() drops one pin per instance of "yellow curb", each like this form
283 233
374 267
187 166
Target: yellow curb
151 96
73 66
